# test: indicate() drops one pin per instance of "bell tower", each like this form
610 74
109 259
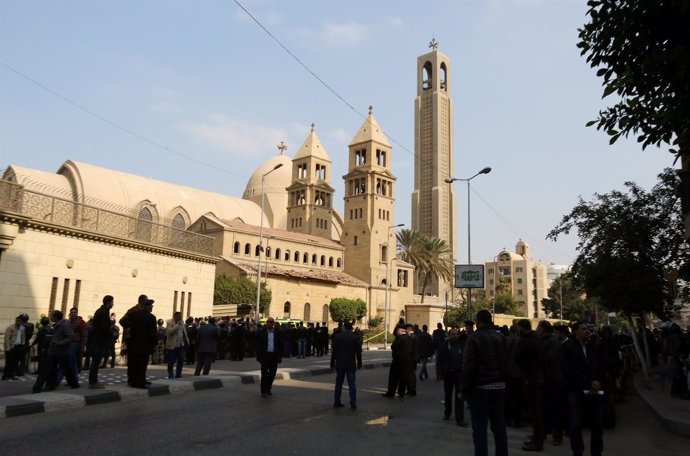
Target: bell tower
369 204
433 201
310 196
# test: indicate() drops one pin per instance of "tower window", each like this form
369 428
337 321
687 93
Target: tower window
427 75
354 240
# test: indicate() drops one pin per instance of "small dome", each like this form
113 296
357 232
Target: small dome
275 203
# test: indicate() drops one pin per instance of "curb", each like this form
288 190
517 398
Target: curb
30 404
668 418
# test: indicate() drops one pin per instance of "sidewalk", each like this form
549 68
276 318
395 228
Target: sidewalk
673 413
16 398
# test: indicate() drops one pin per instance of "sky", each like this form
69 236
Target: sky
198 94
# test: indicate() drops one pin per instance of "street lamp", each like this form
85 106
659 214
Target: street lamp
261 248
385 305
450 180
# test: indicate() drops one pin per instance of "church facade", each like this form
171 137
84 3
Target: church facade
70 237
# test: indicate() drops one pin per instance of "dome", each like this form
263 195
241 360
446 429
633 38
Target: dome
275 184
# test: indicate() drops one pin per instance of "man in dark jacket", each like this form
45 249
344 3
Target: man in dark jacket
143 338
437 338
100 339
584 376
482 382
58 354
530 358
268 353
553 382
450 365
424 345
345 360
207 346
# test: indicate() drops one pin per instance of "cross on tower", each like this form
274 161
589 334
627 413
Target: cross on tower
371 109
312 126
282 147
433 44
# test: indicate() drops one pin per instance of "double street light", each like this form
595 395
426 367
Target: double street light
261 247
385 305
450 180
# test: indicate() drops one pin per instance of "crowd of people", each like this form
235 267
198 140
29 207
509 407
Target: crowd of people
554 378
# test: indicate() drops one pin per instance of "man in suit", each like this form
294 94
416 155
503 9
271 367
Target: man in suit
584 376
345 360
175 343
143 338
207 346
100 339
450 367
268 353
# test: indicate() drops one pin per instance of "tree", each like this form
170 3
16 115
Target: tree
344 309
642 50
628 242
240 290
431 257
505 303
564 290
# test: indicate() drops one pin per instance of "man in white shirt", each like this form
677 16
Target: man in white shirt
269 355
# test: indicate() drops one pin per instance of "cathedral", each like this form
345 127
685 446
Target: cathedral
70 237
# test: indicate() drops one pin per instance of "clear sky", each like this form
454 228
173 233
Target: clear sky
168 79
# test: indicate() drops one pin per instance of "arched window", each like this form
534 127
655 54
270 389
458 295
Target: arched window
323 260
278 254
257 250
325 313
178 222
427 74
144 225
307 312
268 252
313 259
247 248
287 255
305 258
286 309
330 262
296 257
444 77
339 262
236 247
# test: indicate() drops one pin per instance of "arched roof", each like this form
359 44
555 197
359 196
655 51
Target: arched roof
90 184
276 200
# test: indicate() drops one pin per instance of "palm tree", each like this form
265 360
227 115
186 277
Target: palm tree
438 262
431 257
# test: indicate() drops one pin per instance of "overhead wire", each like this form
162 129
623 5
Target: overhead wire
117 125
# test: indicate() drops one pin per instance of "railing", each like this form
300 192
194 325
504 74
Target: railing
63 212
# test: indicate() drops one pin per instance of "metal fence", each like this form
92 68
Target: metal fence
59 211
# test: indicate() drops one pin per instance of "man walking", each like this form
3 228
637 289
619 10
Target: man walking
175 344
58 355
530 358
100 339
424 344
207 346
584 376
345 360
450 365
482 382
268 353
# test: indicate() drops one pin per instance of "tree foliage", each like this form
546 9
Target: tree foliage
573 299
505 303
628 243
431 256
240 290
641 48
344 309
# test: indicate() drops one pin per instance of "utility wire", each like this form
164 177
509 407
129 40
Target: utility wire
330 89
117 125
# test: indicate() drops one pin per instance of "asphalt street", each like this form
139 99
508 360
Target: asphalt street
297 419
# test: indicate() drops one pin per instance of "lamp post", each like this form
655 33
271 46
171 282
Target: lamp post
450 180
385 297
261 248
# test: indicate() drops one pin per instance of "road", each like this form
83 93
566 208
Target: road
297 419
